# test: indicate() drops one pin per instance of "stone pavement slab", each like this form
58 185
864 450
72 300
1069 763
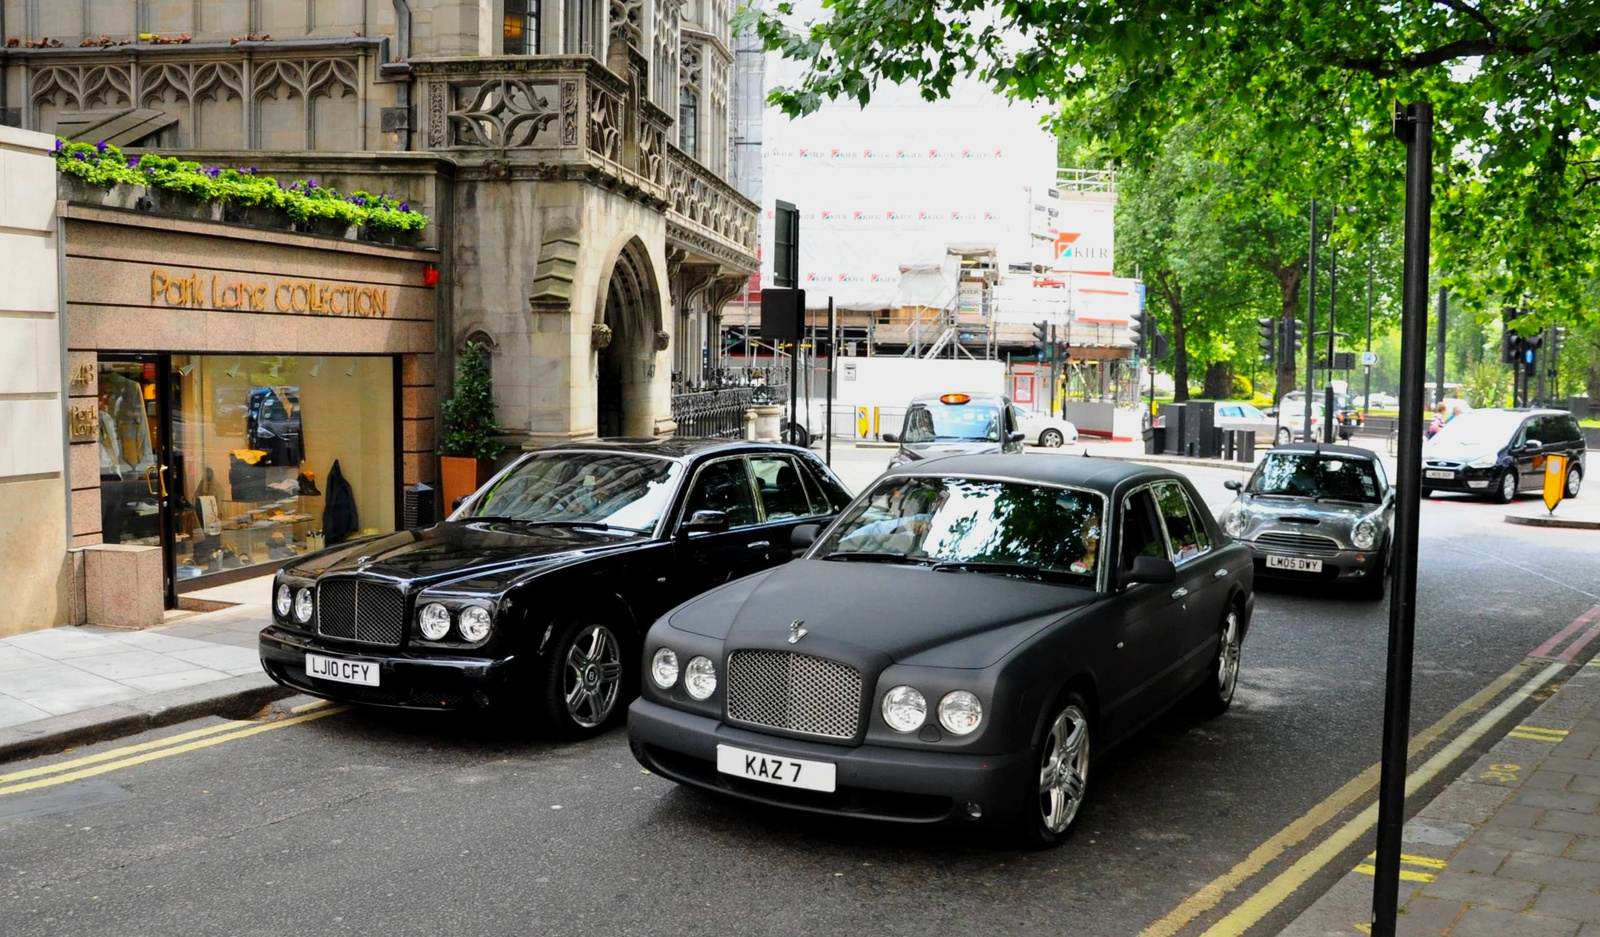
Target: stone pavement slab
1525 861
69 685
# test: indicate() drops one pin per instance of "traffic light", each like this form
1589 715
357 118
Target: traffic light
1041 334
1136 327
1291 341
1063 352
1511 342
1268 330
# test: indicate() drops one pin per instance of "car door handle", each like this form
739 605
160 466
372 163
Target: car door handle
1179 592
1219 574
759 544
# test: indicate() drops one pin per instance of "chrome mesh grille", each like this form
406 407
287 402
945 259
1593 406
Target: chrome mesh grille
782 690
1303 543
358 610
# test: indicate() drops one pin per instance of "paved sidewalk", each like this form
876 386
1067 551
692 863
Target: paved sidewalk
1580 513
66 685
1511 848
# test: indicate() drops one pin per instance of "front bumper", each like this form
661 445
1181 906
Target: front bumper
874 782
1339 565
405 680
1478 481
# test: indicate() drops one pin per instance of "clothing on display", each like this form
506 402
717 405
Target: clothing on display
339 517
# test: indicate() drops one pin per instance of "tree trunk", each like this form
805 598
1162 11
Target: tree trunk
1288 362
1173 293
1219 380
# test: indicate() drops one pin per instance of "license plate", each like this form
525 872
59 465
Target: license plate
364 673
1438 473
789 772
1294 563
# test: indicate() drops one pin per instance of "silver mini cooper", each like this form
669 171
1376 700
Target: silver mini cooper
1316 513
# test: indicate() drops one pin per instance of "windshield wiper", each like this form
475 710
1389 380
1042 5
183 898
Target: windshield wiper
1005 569
869 556
589 525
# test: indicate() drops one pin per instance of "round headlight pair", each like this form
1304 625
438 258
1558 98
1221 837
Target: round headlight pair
905 709
1364 534
283 601
434 621
699 678
302 606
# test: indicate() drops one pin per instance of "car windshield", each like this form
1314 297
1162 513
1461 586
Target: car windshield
952 422
1316 475
1476 429
1038 531
611 489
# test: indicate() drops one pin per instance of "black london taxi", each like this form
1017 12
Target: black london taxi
956 424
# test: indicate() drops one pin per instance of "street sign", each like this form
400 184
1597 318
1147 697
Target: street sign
1555 481
1369 359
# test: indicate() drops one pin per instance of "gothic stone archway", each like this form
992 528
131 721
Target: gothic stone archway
629 318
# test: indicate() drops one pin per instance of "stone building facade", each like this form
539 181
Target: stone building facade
573 153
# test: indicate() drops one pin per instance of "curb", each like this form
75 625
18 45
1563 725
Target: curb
1550 520
1245 467
235 696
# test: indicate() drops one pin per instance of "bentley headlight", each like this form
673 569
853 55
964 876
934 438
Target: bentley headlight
434 621
285 600
1364 534
1236 520
475 623
960 712
664 668
1484 461
905 709
700 677
302 606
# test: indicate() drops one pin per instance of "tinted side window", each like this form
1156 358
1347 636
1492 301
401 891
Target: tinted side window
783 494
1186 531
1564 429
724 486
827 497
1141 532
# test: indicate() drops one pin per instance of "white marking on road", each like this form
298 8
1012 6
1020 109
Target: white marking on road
1525 569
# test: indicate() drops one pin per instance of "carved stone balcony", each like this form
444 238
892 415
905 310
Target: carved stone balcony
572 117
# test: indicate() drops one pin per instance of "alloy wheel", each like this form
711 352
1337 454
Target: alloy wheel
592 676
1051 439
1284 436
1574 481
1064 769
1228 656
1508 486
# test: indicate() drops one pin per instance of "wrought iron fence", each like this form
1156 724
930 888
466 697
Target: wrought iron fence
716 413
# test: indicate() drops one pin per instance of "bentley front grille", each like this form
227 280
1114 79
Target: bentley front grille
1298 542
783 690
359 610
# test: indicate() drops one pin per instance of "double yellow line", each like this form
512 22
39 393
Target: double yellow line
65 772
1538 734
1434 867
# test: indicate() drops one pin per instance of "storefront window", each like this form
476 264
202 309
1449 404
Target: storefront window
275 456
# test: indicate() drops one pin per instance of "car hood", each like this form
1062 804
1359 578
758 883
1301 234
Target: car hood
460 549
1305 513
1462 451
933 450
863 611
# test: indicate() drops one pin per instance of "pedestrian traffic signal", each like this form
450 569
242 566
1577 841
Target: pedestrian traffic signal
1268 330
1063 351
1136 327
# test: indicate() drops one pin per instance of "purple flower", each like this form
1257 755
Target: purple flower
60 144
252 170
101 146
134 163
311 183
212 171
81 155
405 206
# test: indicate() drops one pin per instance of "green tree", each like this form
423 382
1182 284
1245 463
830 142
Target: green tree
469 424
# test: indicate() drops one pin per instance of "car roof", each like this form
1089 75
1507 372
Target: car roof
671 447
977 397
1348 452
1103 475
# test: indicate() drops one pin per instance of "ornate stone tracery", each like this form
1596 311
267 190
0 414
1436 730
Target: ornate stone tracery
627 22
605 123
504 113
84 87
191 82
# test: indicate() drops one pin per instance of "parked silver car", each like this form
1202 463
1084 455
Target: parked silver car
1316 513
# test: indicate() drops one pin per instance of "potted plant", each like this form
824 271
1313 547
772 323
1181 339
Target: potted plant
467 448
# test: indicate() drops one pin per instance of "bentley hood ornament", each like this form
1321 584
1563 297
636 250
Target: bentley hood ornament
797 630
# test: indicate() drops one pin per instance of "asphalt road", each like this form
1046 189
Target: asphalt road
366 822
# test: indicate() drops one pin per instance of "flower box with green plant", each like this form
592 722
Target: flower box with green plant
468 448
103 166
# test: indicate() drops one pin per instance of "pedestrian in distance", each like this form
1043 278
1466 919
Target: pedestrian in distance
1441 416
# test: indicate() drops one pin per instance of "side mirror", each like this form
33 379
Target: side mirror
890 437
704 522
804 535
1016 436
1233 484
1531 444
1150 569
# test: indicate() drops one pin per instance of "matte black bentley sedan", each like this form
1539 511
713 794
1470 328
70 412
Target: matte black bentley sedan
955 647
533 597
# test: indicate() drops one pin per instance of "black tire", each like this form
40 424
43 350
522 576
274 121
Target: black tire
1040 826
1371 588
1051 439
1574 480
1427 492
1215 695
568 710
1506 490
795 435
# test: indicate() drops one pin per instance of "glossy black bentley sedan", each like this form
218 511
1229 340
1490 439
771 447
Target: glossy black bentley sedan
533 597
955 647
